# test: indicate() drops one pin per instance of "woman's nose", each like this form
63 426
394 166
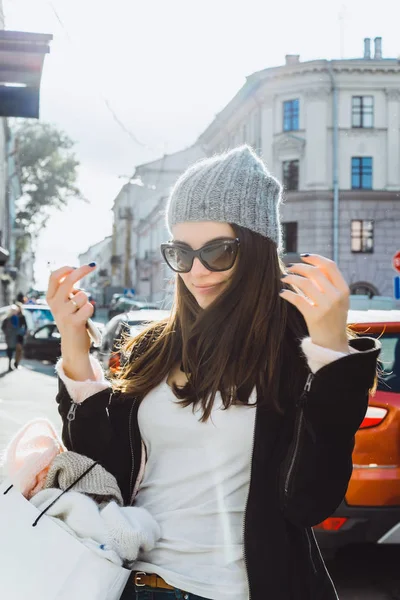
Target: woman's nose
198 268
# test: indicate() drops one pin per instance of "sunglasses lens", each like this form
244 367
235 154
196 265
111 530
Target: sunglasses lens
220 257
178 259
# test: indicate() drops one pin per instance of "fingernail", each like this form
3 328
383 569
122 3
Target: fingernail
289 265
305 254
92 264
283 277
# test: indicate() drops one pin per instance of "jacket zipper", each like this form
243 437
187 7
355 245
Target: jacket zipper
245 508
299 427
70 418
132 454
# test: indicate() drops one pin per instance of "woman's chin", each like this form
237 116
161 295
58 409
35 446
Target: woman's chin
205 301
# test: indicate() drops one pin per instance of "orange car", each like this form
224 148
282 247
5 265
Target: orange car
370 511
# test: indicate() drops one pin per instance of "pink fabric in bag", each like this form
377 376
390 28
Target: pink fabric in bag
28 456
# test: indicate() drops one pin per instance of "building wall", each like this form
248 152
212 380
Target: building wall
312 144
137 239
3 184
154 278
98 282
374 268
6 283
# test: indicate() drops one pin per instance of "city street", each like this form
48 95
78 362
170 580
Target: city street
25 394
360 573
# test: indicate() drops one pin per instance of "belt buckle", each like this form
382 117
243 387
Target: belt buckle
139 574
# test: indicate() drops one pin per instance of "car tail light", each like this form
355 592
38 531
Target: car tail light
114 362
373 417
331 524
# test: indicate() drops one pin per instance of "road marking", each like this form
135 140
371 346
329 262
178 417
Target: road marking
392 536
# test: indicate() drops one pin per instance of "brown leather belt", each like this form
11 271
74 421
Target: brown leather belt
142 579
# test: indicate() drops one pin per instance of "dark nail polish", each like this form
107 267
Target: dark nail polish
304 255
283 277
92 264
289 265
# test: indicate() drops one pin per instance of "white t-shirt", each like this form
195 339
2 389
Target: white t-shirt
195 485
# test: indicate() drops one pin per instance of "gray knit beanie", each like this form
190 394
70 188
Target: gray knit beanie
235 187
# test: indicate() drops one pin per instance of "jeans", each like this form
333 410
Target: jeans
131 592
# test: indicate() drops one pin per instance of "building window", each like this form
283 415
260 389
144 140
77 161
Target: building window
361 173
291 115
362 236
363 288
362 111
289 231
291 175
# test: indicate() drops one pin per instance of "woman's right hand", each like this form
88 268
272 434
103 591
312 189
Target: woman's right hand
71 317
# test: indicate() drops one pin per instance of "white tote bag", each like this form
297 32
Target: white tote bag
45 562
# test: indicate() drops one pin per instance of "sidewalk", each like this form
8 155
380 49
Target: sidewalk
25 394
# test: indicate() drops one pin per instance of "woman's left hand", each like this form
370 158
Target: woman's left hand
326 304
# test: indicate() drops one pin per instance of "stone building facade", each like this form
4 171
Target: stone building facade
139 227
295 116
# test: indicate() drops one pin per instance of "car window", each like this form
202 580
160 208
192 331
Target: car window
44 333
139 322
37 317
389 361
112 331
137 328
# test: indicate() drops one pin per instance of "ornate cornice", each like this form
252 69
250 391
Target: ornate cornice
318 93
361 132
289 143
392 94
266 101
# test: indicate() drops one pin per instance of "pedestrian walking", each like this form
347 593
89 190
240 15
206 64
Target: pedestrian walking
10 330
232 422
21 325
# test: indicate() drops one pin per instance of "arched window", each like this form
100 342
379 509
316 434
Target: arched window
363 288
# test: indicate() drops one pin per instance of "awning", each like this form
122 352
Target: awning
21 63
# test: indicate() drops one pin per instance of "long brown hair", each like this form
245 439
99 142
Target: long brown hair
233 346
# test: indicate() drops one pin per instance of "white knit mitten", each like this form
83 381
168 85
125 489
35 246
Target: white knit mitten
129 530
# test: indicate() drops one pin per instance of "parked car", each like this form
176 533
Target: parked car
44 343
370 511
35 315
114 299
131 323
125 304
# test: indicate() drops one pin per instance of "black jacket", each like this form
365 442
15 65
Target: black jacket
301 466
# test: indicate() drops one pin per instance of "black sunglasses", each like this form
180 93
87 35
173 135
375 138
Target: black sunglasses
218 255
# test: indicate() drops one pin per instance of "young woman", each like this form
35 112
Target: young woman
232 421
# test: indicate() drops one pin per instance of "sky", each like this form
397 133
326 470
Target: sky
164 69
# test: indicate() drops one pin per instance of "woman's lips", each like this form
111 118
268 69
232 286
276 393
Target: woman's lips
202 289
